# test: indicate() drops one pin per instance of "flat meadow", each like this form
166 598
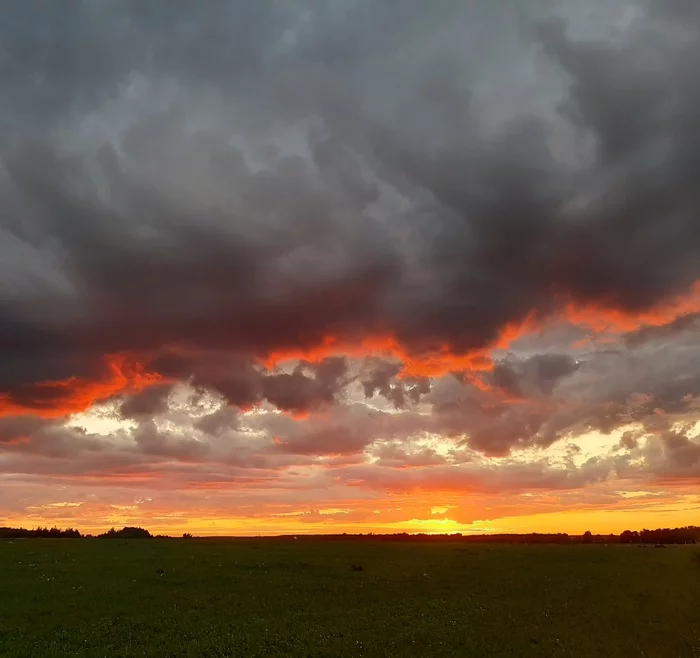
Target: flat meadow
257 597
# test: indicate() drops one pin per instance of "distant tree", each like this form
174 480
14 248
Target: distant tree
587 537
629 537
187 535
126 533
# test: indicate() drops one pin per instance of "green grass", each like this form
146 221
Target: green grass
267 598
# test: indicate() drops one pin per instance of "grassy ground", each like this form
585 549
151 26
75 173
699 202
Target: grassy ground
257 598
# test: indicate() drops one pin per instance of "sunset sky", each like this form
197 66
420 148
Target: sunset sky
350 266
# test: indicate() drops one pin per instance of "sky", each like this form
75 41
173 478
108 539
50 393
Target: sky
311 266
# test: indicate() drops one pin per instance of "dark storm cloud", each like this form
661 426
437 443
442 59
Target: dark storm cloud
523 230
535 375
71 57
299 392
380 377
152 401
44 438
18 429
238 178
241 383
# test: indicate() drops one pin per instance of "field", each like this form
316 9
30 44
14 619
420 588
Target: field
198 597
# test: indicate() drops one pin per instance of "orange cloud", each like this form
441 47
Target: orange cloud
433 363
442 360
53 399
430 363
16 441
605 319
299 415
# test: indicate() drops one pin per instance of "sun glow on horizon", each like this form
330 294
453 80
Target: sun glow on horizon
651 509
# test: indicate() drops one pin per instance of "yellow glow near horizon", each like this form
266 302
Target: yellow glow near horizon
670 513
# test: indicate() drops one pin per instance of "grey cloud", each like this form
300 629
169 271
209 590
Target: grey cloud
477 477
487 421
648 388
629 440
299 392
381 376
347 429
29 445
535 375
209 183
638 382
156 442
244 383
48 438
665 454
219 422
397 454
347 432
15 430
681 450
152 401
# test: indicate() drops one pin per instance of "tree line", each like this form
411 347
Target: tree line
683 535
71 533
47 533
686 535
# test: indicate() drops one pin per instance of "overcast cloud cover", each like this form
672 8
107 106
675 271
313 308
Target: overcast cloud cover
309 255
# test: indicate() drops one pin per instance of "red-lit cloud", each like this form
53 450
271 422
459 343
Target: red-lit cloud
53 399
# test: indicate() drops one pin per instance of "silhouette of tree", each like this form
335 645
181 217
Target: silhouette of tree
126 533
629 537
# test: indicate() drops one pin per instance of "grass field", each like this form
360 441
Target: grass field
260 598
